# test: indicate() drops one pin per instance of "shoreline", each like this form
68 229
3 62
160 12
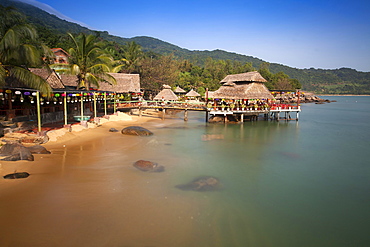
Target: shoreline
89 175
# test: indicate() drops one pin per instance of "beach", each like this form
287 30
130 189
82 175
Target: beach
72 198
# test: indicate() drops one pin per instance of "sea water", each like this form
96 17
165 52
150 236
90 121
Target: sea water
286 183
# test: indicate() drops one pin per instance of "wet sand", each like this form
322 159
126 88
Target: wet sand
87 193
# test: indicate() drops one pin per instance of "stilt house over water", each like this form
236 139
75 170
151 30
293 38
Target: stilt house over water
245 86
246 95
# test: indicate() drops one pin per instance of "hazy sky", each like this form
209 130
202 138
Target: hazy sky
324 34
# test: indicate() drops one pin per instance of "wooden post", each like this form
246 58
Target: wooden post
207 115
82 107
186 115
114 103
38 111
242 117
140 111
105 103
94 105
65 109
163 113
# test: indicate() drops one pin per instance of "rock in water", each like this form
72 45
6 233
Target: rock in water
17 175
148 166
15 151
206 183
136 130
38 149
113 130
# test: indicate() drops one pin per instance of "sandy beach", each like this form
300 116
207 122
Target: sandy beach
87 193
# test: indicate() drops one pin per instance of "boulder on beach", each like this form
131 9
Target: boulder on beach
148 166
136 130
16 175
15 151
207 183
38 149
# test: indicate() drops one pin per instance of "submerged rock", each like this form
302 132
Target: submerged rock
148 166
16 175
206 183
136 130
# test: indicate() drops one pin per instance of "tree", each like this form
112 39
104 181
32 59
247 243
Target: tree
88 61
158 71
132 54
19 50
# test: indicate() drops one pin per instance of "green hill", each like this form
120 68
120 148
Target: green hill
337 81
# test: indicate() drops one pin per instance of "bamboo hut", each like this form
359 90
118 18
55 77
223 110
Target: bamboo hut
243 86
192 96
179 91
166 94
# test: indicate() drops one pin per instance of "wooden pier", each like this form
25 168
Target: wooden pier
274 112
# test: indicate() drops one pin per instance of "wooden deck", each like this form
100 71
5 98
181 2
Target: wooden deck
274 112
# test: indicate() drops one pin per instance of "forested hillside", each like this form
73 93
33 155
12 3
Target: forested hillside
53 30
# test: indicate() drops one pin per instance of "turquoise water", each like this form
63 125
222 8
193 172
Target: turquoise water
304 183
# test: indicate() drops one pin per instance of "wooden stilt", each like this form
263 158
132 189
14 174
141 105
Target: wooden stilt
186 115
163 113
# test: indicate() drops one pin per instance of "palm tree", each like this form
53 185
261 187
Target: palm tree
133 55
16 55
88 62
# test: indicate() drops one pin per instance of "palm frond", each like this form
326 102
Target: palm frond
30 79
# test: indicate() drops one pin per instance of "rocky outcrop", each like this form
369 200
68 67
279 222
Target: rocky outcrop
136 130
206 183
148 166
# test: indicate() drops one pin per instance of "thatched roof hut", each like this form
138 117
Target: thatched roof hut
179 90
126 83
69 80
253 76
50 76
243 86
192 93
166 94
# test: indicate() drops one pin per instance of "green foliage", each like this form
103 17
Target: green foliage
88 61
19 49
202 68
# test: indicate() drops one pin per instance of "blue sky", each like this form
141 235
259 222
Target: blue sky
324 34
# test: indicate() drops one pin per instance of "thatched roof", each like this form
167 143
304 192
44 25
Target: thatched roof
126 83
50 76
253 76
69 80
179 90
253 90
166 94
243 86
192 93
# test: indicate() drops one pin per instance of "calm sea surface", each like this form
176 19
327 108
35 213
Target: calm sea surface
304 183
